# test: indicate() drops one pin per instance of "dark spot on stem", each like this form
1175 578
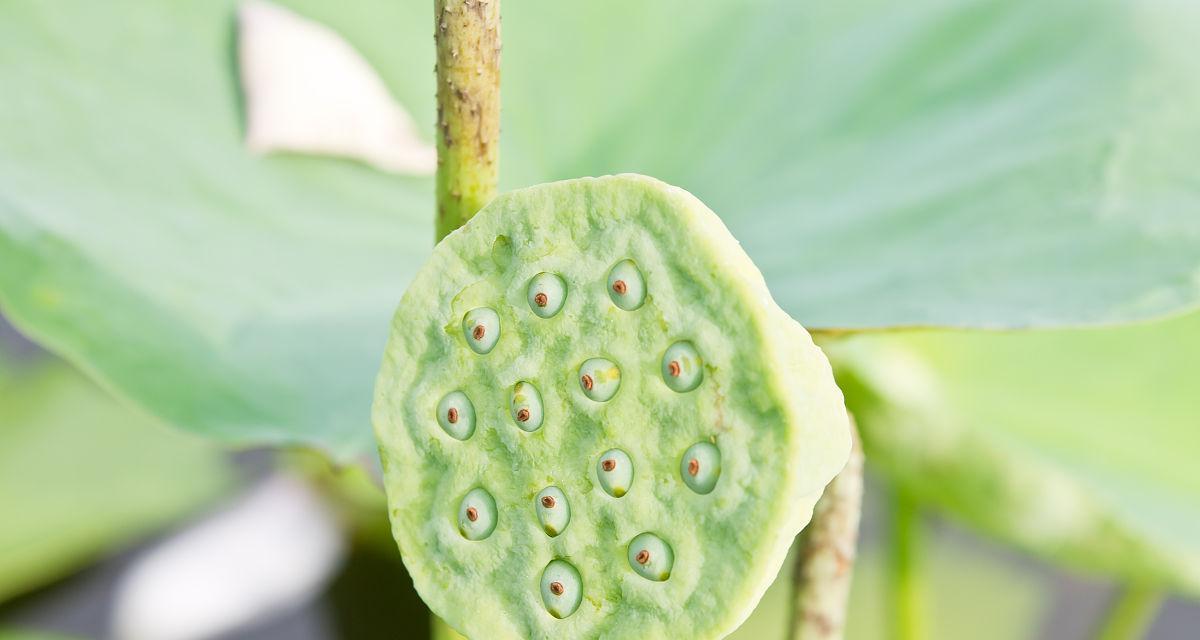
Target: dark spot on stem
541 300
452 415
587 381
643 557
620 287
608 465
478 332
472 514
548 502
523 415
693 467
556 588
674 369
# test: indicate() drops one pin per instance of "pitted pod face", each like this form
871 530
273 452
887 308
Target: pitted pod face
589 419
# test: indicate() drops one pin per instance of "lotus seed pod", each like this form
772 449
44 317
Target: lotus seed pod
456 415
562 588
651 557
477 515
600 379
553 510
547 293
527 406
481 328
682 368
701 467
763 397
614 471
626 286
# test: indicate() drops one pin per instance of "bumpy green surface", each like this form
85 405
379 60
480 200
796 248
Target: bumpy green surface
766 399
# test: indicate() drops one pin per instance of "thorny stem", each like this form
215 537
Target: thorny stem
906 581
824 565
1131 613
467 33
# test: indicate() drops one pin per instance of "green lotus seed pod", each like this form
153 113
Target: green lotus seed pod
682 368
481 328
553 510
477 514
527 406
547 292
626 286
456 415
700 467
765 399
599 378
614 470
650 557
562 588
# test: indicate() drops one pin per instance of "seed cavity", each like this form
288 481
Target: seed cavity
477 514
651 557
553 510
626 286
562 588
456 415
700 467
502 251
682 368
527 406
481 327
600 379
546 292
614 471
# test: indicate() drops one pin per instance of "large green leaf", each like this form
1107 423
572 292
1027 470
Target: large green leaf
1079 446
982 164
81 474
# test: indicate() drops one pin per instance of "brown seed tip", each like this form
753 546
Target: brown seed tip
472 514
587 381
674 368
556 588
608 465
643 557
620 287
693 467
548 502
523 415
478 332
452 415
541 300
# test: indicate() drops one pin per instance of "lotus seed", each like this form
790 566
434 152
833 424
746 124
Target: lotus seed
477 514
700 467
562 589
626 286
553 511
682 368
599 378
481 327
527 406
547 292
651 557
456 415
615 472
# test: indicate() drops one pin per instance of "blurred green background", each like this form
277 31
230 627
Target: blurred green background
987 210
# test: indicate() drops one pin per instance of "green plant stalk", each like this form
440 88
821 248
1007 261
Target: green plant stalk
1130 614
906 586
467 33
824 566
